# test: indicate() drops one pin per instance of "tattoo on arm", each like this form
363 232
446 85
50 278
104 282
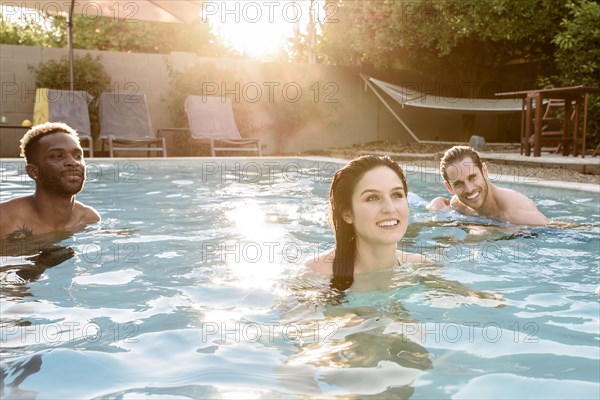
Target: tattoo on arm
21 233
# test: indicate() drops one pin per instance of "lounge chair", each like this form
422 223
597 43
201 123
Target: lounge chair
69 107
211 122
125 124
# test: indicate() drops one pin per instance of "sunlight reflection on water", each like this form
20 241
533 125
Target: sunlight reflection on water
192 287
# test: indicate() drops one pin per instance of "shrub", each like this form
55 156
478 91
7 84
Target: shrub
88 75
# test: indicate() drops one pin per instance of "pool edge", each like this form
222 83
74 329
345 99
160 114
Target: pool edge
523 180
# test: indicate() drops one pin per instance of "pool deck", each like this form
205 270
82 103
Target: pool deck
588 165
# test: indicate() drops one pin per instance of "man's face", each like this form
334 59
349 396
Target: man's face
468 182
58 164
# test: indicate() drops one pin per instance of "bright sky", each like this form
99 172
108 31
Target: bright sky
259 28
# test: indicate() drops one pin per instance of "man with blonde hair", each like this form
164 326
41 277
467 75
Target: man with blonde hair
466 178
55 162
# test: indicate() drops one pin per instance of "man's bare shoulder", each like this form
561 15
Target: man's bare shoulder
11 209
512 195
520 209
11 214
87 214
16 203
323 263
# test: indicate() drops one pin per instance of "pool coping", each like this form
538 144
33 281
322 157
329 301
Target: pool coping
523 180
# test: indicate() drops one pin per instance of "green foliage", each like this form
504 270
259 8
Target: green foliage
88 75
445 39
110 34
578 41
30 32
578 56
296 47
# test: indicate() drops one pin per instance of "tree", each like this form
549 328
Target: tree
446 39
302 46
139 36
578 55
30 32
110 34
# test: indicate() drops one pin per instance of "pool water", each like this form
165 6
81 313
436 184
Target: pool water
192 286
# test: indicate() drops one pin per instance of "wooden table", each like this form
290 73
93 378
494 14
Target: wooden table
532 115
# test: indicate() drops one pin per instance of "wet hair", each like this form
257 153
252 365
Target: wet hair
340 201
456 154
32 136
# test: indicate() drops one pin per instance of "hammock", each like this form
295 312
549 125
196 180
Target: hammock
406 96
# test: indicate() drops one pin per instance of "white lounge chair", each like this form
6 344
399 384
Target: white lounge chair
211 122
125 124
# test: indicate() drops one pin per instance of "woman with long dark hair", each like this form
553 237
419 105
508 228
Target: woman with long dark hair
369 216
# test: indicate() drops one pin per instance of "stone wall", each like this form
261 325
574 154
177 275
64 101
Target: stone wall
147 73
360 117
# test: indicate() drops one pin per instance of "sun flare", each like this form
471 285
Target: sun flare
258 29
255 256
259 41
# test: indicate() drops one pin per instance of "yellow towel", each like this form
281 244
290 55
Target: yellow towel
41 113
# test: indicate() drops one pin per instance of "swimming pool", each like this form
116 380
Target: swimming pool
192 287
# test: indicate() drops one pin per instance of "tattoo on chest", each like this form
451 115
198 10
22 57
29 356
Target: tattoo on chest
21 233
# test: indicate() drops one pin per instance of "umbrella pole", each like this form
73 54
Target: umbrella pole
70 42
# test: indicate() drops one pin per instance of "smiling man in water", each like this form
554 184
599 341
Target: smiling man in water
55 162
466 177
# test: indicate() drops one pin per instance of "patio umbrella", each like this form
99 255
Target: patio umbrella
178 11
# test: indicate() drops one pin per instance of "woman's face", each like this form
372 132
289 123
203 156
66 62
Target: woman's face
379 207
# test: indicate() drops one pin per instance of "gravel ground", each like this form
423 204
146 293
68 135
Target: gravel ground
553 174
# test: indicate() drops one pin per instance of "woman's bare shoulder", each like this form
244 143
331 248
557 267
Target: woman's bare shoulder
322 263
